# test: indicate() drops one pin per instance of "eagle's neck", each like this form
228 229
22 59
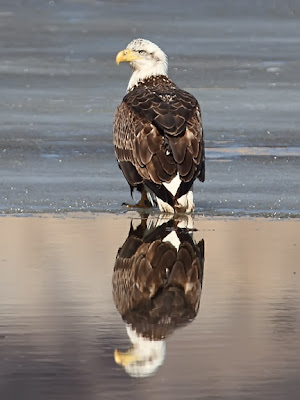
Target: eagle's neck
139 75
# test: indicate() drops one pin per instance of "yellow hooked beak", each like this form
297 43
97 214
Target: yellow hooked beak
127 56
124 358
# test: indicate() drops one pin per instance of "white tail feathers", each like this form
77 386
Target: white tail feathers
185 204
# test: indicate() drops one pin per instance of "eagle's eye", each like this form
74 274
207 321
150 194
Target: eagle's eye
141 51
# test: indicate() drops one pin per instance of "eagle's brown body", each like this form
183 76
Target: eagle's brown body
157 136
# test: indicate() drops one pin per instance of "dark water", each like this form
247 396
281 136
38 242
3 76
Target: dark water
225 319
60 87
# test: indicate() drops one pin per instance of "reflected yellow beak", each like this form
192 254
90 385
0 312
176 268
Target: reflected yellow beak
124 358
127 56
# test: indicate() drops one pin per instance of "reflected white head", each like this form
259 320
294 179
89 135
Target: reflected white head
144 357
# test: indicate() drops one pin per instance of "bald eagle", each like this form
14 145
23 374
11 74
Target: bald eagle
158 136
157 284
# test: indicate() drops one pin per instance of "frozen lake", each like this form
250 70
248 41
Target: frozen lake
60 87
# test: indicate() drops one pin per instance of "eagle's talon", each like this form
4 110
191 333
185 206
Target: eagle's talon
143 203
140 204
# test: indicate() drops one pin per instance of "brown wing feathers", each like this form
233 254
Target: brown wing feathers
157 132
155 286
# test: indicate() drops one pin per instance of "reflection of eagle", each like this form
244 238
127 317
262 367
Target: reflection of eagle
158 133
156 288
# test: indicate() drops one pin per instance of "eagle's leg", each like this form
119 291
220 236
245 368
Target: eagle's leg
143 203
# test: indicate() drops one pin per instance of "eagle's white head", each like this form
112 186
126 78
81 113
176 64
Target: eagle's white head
145 58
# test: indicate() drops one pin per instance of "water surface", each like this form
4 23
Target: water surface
60 324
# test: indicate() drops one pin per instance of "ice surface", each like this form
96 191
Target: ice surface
60 87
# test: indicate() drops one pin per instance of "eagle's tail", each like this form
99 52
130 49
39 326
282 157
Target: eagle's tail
185 204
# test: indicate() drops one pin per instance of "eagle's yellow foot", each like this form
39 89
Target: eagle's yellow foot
140 204
143 203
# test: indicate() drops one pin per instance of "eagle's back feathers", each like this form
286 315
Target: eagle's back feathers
157 135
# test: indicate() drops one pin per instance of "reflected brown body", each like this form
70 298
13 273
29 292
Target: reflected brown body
155 286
